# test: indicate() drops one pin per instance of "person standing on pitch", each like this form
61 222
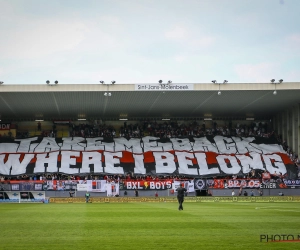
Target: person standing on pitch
87 197
180 195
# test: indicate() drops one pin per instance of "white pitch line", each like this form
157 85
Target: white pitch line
287 210
273 208
267 207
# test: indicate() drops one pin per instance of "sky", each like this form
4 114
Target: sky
143 41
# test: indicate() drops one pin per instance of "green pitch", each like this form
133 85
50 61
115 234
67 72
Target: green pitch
147 226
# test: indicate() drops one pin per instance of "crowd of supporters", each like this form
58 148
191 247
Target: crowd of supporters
92 130
108 178
174 129
170 129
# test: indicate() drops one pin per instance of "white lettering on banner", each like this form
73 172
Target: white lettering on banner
25 144
164 162
9 147
278 165
253 183
72 143
93 144
47 153
269 148
5 166
50 159
67 159
202 144
184 161
133 185
235 167
13 164
152 185
148 185
225 145
243 183
249 163
270 185
181 144
244 146
139 167
150 144
17 166
168 184
139 186
128 185
48 144
109 146
222 145
203 167
167 146
91 158
133 145
110 160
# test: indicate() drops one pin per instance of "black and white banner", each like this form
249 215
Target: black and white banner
7 196
205 156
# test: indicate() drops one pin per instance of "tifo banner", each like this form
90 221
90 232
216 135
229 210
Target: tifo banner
205 156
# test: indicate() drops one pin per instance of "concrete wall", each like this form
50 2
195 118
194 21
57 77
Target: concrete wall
266 192
165 193
129 193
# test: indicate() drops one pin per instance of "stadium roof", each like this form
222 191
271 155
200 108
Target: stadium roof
135 101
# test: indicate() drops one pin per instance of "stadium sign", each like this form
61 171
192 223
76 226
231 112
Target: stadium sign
164 87
5 126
